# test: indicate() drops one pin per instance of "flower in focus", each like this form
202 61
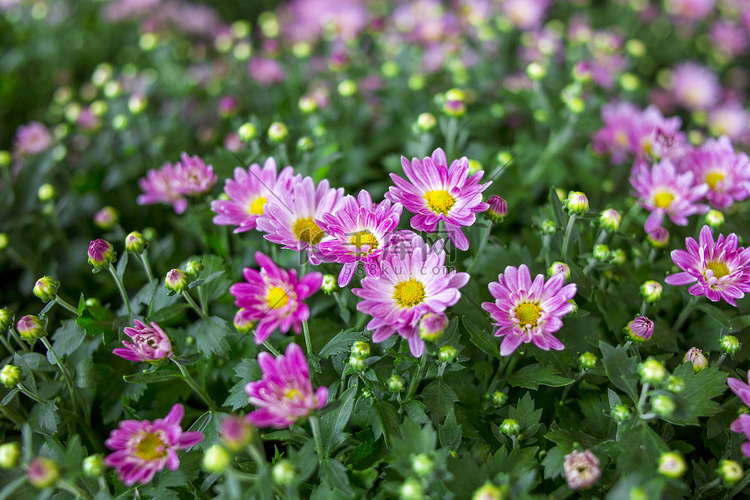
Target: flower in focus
662 191
726 172
285 394
527 311
273 297
149 343
30 328
435 191
46 288
176 281
741 389
582 469
358 232
717 270
101 254
248 193
414 282
640 329
697 358
498 209
694 86
135 242
142 448
31 139
172 183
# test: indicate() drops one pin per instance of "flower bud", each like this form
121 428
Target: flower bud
651 371
696 357
10 375
395 383
498 209
447 353
46 288
411 489
46 192
639 330
499 398
454 108
101 254
248 132
6 319
489 492
347 88
30 328
304 143
547 227
277 132
582 469
242 322
576 203
358 364
329 284
422 465
601 252
675 384
651 291
536 71
618 257
729 344
42 472
558 267
93 465
284 472
216 459
671 464
307 104
714 218
582 72
610 219
658 238
621 413
361 349
106 218
176 281
235 432
662 405
193 267
5 158
730 472
432 326
510 427
474 167
4 240
135 242
426 122
10 453
587 361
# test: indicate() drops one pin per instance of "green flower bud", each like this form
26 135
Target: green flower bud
93 465
618 257
426 122
651 291
729 344
536 71
621 413
675 384
307 104
10 376
447 353
46 288
601 252
330 284
284 472
278 132
730 472
510 427
347 88
216 459
361 349
106 218
42 472
714 218
4 240
358 364
5 158
30 328
476 166
576 203
587 361
499 398
662 405
6 319
671 464
610 220
248 132
651 371
395 384
10 453
135 242
422 465
558 267
304 143
547 227
658 238
696 357
46 192
193 267
411 489
488 492
176 281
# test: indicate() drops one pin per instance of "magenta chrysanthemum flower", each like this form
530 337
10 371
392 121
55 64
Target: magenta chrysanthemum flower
358 232
726 172
662 191
694 86
142 448
414 281
435 191
742 426
289 219
248 193
527 311
741 389
655 137
273 297
717 270
614 138
31 139
150 344
285 394
171 184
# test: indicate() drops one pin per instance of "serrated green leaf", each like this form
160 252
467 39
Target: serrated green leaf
532 376
438 397
481 338
342 342
450 433
246 371
169 312
334 474
388 420
152 377
90 375
68 338
621 369
211 335
332 424
695 401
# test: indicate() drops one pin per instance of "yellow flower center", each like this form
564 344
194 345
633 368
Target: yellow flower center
292 393
439 201
364 238
663 199
277 297
528 313
307 230
409 293
718 268
713 178
621 138
151 447
256 207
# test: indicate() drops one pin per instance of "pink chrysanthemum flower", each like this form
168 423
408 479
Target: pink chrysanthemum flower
142 448
614 138
582 469
662 191
248 193
273 297
150 344
717 270
289 219
741 389
414 281
726 172
285 394
694 86
435 191
171 184
358 232
527 311
655 137
31 139
742 426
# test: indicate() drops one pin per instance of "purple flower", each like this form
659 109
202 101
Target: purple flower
101 254
414 282
662 191
741 389
436 191
726 172
31 139
150 344
717 270
582 469
273 297
358 232
266 71
742 426
172 183
524 14
694 86
689 9
640 329
42 472
655 137
285 394
527 311
730 119
614 138
235 432
248 193
142 448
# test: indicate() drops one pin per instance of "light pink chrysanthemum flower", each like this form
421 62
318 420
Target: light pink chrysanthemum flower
655 137
741 389
524 14
172 183
726 172
266 71
289 219
31 139
730 119
358 232
142 448
662 191
273 297
414 281
527 311
694 86
248 193
435 191
285 394
689 9
718 270
150 344
614 138
582 469
742 426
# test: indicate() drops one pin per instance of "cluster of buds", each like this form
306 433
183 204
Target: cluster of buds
639 330
432 326
46 288
576 203
358 357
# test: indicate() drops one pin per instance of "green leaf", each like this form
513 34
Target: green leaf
557 208
90 375
415 410
388 420
333 473
45 418
439 398
621 370
342 342
68 338
246 370
722 317
450 432
639 449
10 488
332 424
122 264
525 414
532 376
211 335
152 377
216 278
169 312
481 338
695 400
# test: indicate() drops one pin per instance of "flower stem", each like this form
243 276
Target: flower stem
417 377
482 244
14 334
308 340
30 394
196 388
644 394
121 288
147 266
271 348
7 346
192 303
566 237
685 312
258 457
65 373
65 304
721 360
315 426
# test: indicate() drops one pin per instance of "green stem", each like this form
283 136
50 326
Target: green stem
721 360
17 338
566 237
196 388
417 377
685 313
121 288
65 373
258 457
72 488
7 346
569 386
271 348
482 244
644 394
308 341
30 394
192 303
147 266
66 305
12 415
315 426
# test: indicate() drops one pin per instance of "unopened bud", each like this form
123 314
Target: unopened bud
248 132
6 319
557 268
488 492
361 349
601 252
510 427
547 227
30 328
536 71
498 209
135 242
277 132
106 218
307 104
729 344
651 291
358 364
347 88
93 465
426 122
587 361
651 371
696 357
304 143
639 330
284 472
621 413
176 281
618 257
714 218
46 192
659 238
10 376
610 219
411 489
10 453
42 472
671 464
675 384
193 267
395 383
499 398
576 203
216 459
235 432
422 465
101 254
730 472
243 323
447 353
329 284
662 405
46 288
432 326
